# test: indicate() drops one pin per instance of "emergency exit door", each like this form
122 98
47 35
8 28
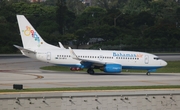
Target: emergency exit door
48 56
146 59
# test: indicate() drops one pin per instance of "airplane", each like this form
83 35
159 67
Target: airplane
108 61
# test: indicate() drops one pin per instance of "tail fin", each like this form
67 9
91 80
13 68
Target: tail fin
30 38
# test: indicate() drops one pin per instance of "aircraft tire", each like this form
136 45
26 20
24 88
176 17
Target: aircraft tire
90 71
148 73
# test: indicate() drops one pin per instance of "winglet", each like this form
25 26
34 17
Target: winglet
73 55
60 45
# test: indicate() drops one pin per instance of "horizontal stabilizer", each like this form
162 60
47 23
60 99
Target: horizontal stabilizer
23 49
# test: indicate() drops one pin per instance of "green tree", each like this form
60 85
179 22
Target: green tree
60 15
64 17
108 33
46 29
177 15
144 18
91 16
81 38
67 37
76 6
50 2
135 6
7 27
107 4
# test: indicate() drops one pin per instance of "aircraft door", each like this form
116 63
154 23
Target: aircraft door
146 59
48 56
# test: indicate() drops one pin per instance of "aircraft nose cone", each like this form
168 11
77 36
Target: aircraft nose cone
163 63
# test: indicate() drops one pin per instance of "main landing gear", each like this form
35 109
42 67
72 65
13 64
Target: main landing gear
148 73
90 71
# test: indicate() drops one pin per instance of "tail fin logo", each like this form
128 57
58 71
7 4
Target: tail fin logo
29 32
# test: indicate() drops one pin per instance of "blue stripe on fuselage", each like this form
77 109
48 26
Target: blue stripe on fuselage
123 67
141 67
69 65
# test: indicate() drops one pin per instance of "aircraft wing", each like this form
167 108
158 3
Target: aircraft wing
23 49
97 63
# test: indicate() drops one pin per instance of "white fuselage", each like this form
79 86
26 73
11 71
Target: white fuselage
128 59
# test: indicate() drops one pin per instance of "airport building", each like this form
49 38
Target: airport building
87 2
37 0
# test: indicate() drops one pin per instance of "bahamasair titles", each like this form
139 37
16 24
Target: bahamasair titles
107 61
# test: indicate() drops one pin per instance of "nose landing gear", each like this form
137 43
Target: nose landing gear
150 70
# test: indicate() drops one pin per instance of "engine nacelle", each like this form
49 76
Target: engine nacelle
112 68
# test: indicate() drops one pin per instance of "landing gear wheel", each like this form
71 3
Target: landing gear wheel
148 73
90 71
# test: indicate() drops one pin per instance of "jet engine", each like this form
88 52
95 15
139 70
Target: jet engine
112 68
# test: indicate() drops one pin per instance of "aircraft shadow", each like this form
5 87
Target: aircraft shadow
115 74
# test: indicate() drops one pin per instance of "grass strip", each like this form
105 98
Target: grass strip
172 67
94 88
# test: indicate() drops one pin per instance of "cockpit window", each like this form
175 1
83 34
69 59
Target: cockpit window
156 58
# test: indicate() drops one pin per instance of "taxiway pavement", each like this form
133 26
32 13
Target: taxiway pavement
23 70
